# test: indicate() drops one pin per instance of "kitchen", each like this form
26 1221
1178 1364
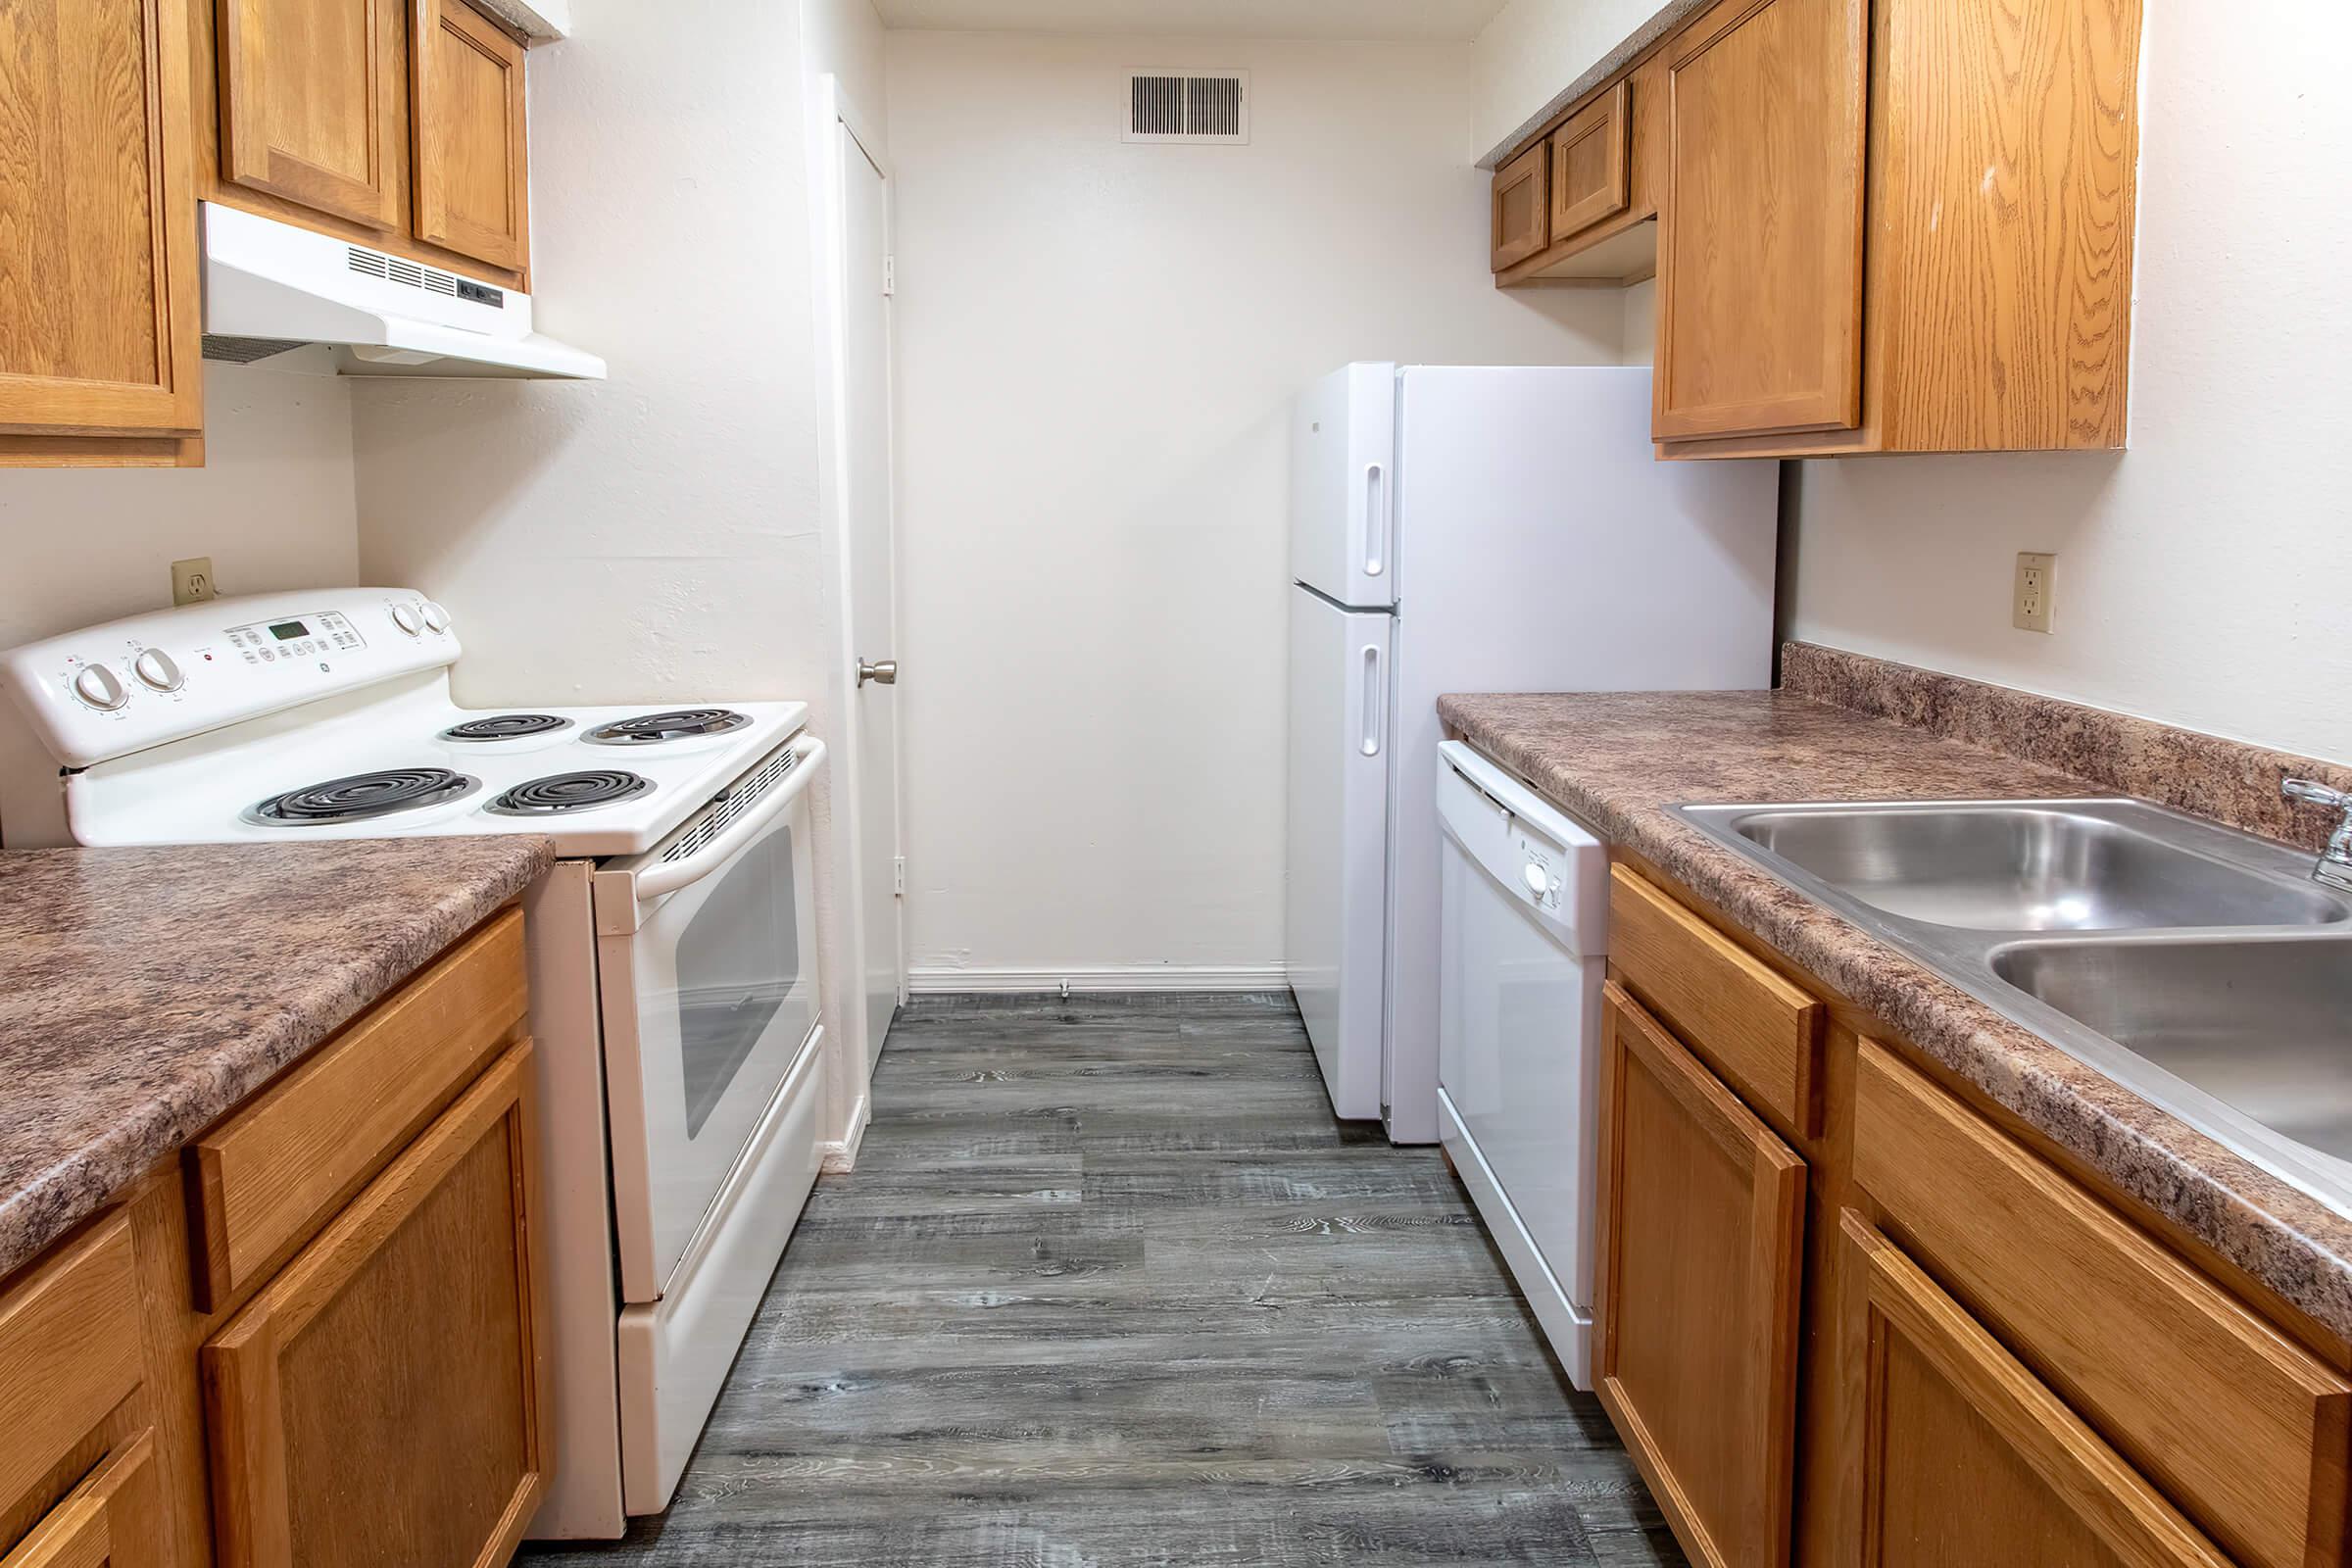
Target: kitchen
1007 506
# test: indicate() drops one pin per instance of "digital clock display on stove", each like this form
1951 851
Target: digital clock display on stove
286 631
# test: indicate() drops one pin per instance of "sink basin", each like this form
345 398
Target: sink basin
2263 1024
2197 965
2089 865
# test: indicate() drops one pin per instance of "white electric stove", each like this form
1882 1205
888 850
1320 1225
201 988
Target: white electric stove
680 1070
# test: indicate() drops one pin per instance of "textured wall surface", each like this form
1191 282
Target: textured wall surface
1098 345
2201 575
272 506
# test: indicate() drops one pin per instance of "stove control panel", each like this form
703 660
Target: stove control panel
107 691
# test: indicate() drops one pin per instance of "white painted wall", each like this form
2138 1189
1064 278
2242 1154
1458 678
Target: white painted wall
1534 49
653 536
1098 343
2201 577
272 506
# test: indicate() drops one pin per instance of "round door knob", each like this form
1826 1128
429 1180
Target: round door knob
882 672
157 670
405 616
435 616
1539 880
100 687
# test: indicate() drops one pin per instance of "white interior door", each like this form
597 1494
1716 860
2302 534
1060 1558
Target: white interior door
865 478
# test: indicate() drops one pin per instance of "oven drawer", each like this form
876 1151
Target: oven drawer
674 1353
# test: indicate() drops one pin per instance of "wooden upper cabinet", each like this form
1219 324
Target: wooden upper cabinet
473 188
383 1401
1957 1457
1991 307
310 104
1522 213
1760 248
100 336
1591 166
1701 1228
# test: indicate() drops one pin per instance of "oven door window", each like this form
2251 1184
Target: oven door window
738 964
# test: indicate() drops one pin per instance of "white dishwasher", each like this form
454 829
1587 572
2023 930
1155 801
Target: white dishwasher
1523 929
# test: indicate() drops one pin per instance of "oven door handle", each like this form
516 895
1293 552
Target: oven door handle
666 878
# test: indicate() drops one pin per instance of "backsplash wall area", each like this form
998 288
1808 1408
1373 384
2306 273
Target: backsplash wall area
2200 576
272 506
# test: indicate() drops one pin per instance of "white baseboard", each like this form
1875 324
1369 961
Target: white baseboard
1102 977
840 1155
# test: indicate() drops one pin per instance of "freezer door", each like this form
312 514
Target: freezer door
1343 486
1337 873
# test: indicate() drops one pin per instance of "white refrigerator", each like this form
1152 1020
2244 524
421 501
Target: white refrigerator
1464 528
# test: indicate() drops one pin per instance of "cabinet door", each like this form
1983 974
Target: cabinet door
1522 216
99 325
1760 249
310 104
383 1401
1592 171
1961 1458
1701 1237
467 113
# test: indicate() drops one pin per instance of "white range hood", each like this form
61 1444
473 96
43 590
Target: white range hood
270 287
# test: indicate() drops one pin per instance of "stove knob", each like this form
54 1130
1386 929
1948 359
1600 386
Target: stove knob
157 670
435 616
405 617
100 687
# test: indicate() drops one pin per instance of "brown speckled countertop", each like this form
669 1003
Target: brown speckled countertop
1618 760
144 993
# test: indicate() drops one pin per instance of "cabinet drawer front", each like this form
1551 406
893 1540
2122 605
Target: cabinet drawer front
1591 175
1958 1455
1753 1026
69 1350
272 1173
2150 1352
1522 211
1701 1236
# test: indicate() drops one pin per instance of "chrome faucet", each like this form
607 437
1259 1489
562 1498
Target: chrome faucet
2334 867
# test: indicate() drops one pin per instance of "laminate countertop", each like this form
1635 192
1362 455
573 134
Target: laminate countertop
144 993
1619 759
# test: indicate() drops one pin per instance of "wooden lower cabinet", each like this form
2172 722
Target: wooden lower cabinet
113 1519
383 1401
1959 1458
1701 1258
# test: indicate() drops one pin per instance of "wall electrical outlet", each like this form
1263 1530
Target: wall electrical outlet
2036 576
192 580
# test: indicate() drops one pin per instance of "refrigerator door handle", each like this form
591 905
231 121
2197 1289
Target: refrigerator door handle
1375 704
1376 522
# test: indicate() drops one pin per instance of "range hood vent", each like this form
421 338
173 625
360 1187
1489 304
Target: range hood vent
270 287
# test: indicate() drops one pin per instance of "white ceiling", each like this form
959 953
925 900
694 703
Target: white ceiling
1455 20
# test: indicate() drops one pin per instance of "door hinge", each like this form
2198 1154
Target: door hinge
889 275
898 875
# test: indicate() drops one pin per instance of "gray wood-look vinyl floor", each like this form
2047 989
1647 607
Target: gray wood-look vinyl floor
1111 1285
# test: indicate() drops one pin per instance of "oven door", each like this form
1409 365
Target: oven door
706 967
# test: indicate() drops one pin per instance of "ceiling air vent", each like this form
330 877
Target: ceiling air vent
1200 106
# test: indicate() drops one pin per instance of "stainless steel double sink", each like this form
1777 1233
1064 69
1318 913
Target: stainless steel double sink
2200 966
